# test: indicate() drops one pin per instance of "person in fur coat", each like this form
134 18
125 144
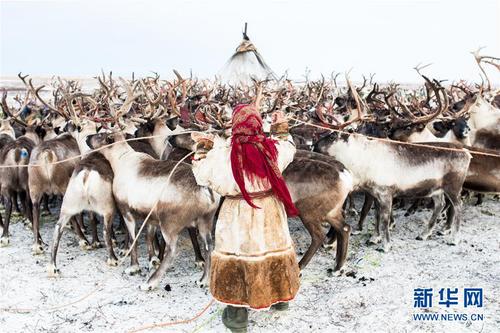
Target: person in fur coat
253 264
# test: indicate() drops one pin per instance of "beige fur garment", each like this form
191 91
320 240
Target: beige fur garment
254 262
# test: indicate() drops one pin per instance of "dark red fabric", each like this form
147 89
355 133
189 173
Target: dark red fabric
185 116
255 156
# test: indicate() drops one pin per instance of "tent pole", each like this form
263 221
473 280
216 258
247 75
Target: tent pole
245 32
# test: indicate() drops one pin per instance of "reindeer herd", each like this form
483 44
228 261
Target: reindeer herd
119 155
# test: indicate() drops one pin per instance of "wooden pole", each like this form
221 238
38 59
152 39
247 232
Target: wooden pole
245 32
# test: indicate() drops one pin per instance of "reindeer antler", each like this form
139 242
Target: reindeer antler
486 59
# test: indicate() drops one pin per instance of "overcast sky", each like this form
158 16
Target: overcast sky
388 37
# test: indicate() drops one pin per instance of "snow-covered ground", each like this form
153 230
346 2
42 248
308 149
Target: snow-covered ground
374 295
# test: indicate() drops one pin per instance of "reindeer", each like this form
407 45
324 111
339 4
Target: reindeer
418 129
387 169
90 186
414 172
89 189
141 184
14 178
319 186
47 176
484 117
14 155
484 122
51 164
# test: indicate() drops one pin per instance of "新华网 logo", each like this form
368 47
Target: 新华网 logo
466 298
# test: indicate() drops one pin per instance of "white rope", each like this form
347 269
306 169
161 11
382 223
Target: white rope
397 142
100 148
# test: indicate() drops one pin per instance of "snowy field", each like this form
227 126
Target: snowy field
375 294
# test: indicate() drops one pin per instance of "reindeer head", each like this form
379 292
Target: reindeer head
145 129
324 142
459 127
403 131
103 139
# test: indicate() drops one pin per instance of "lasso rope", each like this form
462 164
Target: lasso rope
99 149
292 118
173 323
461 150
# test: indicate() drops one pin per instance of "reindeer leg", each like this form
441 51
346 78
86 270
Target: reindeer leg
126 241
2 200
37 246
205 228
414 207
4 240
330 239
113 233
77 222
479 197
123 227
27 206
343 230
317 236
367 205
81 225
95 237
46 207
385 215
154 261
64 218
171 244
376 238
134 262
438 207
107 230
352 206
193 234
15 202
161 247
454 219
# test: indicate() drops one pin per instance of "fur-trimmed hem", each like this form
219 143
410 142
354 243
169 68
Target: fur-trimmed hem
236 305
257 283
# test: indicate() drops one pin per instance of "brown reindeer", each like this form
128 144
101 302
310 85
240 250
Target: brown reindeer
142 184
15 156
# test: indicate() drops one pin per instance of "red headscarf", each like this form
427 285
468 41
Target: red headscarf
255 156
